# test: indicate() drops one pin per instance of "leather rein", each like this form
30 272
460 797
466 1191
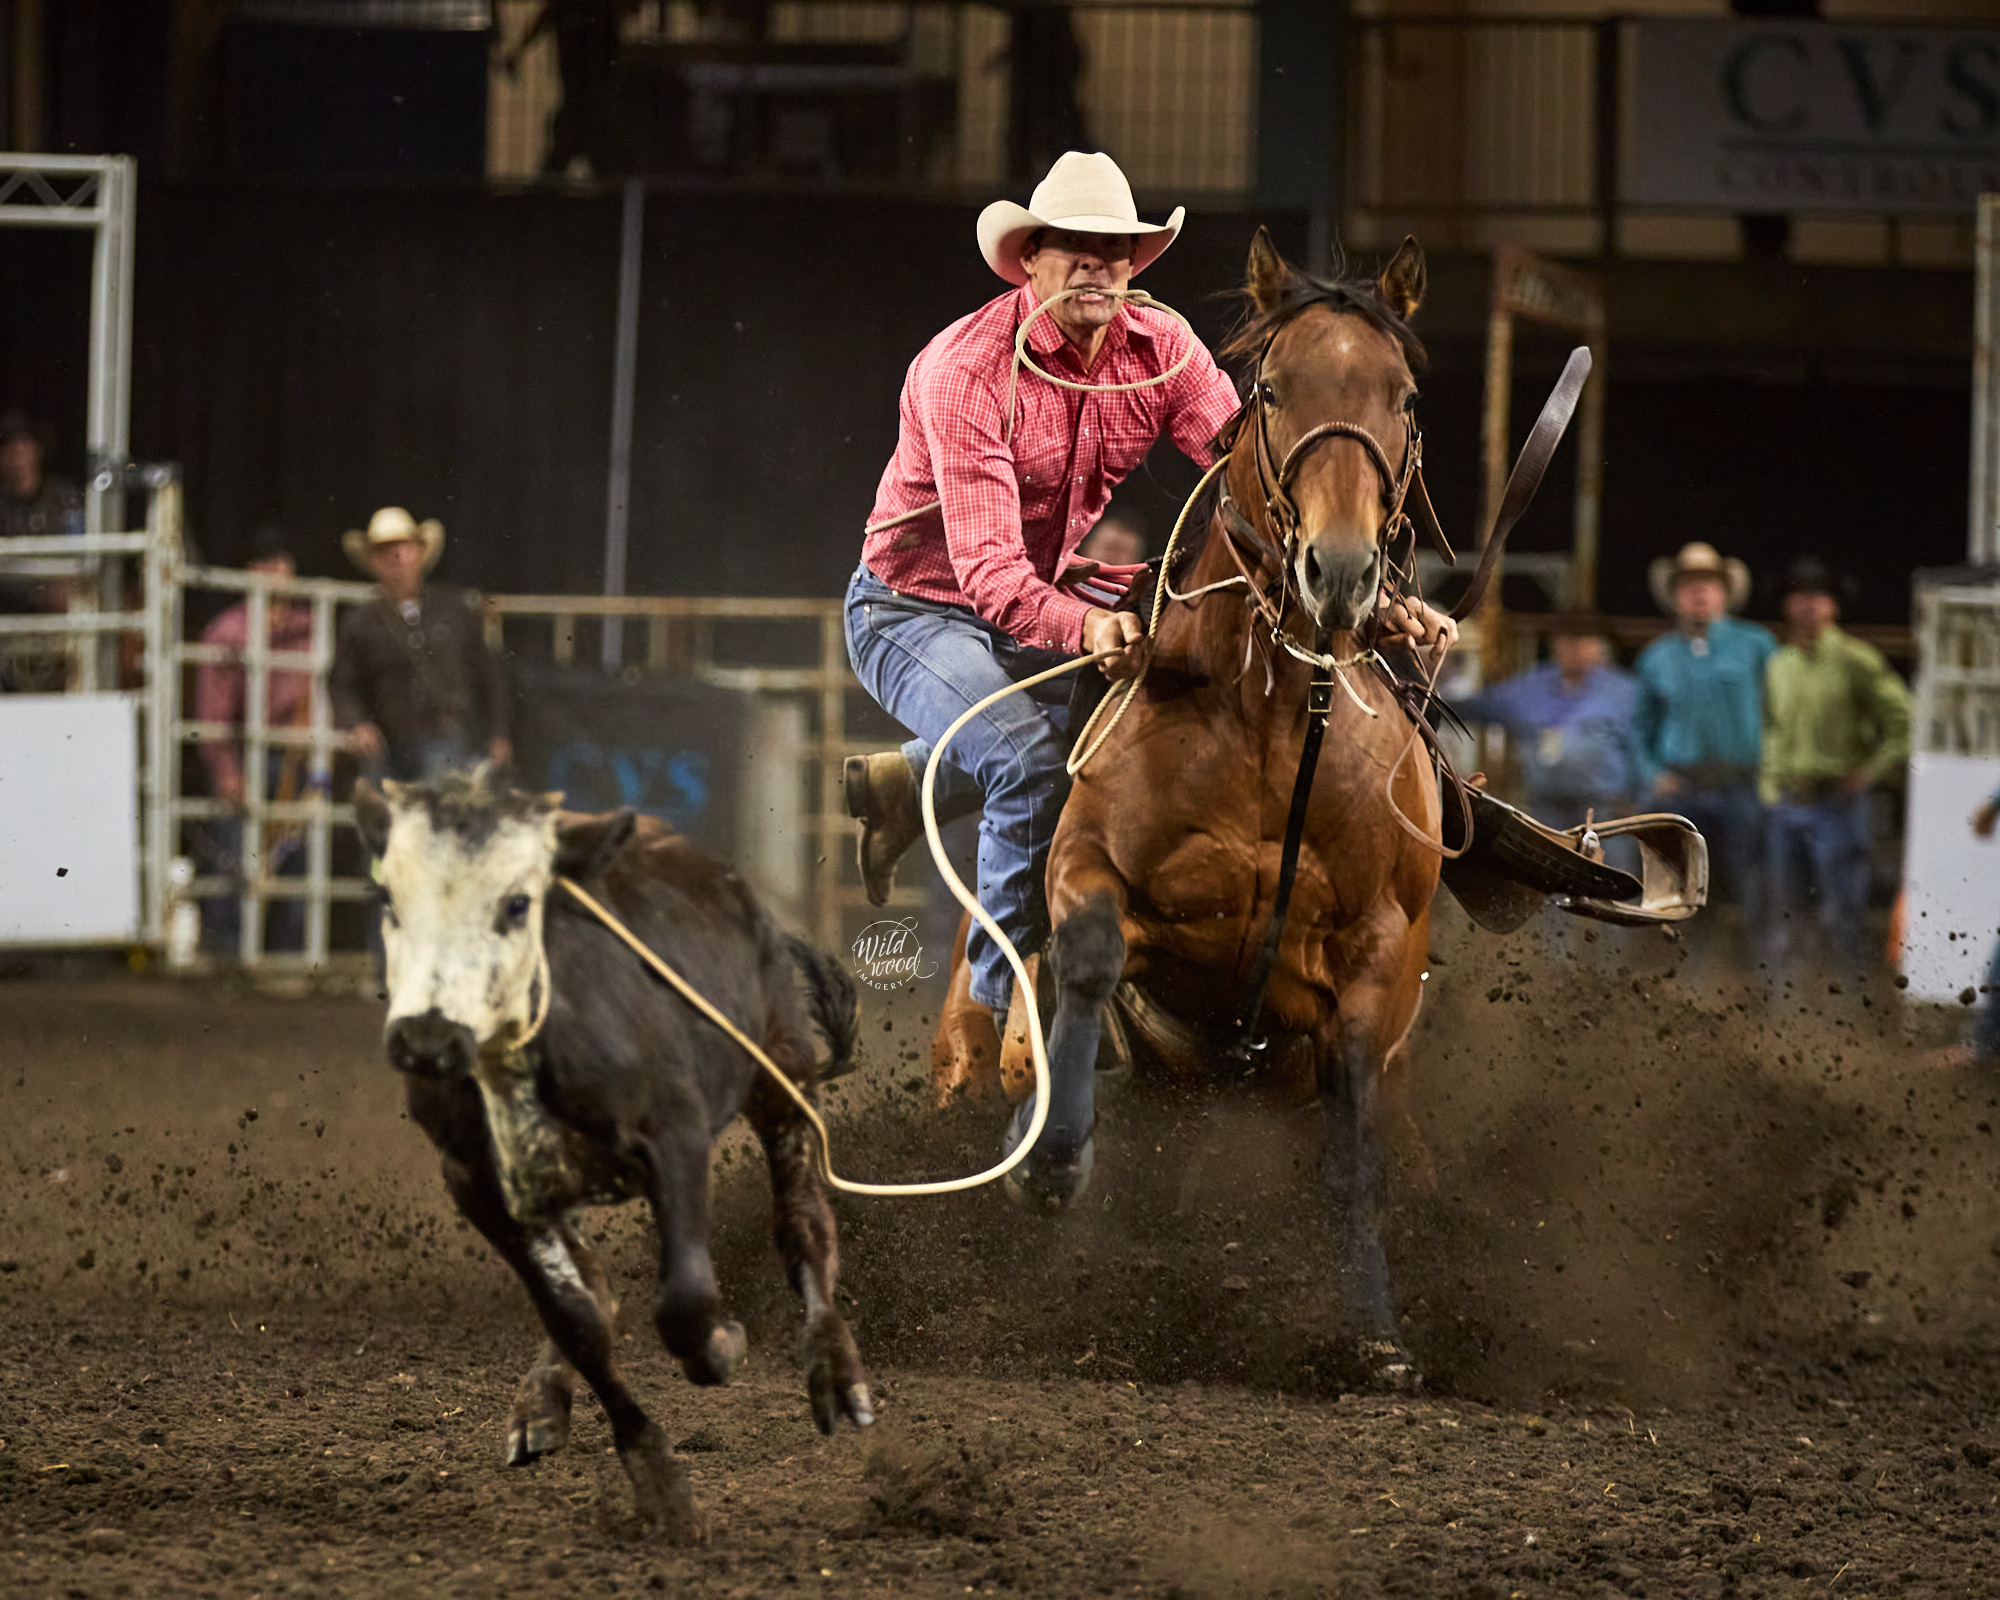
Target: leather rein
1275 480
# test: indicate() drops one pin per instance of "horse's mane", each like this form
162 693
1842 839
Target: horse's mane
1344 291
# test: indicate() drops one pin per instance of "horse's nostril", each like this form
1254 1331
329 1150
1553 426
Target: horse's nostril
1311 564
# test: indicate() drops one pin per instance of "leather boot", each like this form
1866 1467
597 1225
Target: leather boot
882 797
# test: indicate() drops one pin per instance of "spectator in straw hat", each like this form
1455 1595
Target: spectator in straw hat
1697 734
1836 723
413 681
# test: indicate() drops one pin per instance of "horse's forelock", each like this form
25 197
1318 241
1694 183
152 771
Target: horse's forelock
1303 291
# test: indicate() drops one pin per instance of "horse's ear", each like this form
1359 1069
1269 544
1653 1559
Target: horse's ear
1268 277
1404 280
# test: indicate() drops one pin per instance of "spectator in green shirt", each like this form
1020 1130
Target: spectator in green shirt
1836 723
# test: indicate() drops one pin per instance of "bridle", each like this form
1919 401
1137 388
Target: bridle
1275 480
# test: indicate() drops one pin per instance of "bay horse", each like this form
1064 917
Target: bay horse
1164 868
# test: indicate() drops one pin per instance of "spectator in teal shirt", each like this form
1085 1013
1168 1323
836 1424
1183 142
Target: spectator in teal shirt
1697 735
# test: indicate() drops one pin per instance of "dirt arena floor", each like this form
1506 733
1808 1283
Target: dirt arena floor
1706 1297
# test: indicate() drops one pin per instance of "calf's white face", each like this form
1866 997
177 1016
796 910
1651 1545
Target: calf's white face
463 923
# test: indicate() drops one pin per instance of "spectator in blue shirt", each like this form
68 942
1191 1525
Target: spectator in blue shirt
1697 738
1571 719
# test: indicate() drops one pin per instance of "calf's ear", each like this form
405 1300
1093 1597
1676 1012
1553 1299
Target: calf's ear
371 816
586 846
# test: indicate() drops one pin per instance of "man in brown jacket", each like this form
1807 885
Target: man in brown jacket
413 681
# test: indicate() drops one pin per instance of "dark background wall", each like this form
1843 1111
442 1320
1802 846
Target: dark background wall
312 353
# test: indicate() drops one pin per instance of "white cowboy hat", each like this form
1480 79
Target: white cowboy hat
1698 560
393 525
1082 194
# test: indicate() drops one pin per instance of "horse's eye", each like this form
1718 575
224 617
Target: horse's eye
1268 395
1410 403
517 908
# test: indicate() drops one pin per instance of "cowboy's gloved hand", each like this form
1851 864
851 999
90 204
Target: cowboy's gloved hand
1102 583
1421 626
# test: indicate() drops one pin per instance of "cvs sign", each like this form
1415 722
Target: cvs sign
1814 116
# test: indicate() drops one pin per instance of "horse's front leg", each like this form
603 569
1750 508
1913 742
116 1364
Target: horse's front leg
1087 957
1352 1066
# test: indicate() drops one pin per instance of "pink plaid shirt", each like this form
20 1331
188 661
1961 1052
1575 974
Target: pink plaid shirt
1013 513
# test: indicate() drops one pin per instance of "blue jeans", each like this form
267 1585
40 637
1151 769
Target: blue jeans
926 663
1732 821
1834 834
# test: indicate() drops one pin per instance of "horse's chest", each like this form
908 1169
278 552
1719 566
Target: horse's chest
546 1167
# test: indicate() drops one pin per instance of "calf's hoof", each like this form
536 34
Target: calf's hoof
1052 1178
660 1488
836 1381
719 1360
1391 1369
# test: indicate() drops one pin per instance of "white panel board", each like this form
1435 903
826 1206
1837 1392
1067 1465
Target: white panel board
1951 879
69 819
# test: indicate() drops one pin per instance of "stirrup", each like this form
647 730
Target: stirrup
1513 863
1673 867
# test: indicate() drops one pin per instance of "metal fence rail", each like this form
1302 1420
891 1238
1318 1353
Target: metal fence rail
262 817
1958 689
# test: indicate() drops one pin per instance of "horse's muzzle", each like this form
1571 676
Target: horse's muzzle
1338 583
431 1045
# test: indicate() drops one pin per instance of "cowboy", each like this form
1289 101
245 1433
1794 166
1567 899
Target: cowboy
413 681
966 582
1836 723
1697 735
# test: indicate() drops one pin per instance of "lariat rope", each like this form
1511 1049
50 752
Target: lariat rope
1037 1044
695 998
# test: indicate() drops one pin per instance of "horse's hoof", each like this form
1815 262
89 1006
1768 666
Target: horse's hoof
721 1358
1391 1370
532 1438
1047 1180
